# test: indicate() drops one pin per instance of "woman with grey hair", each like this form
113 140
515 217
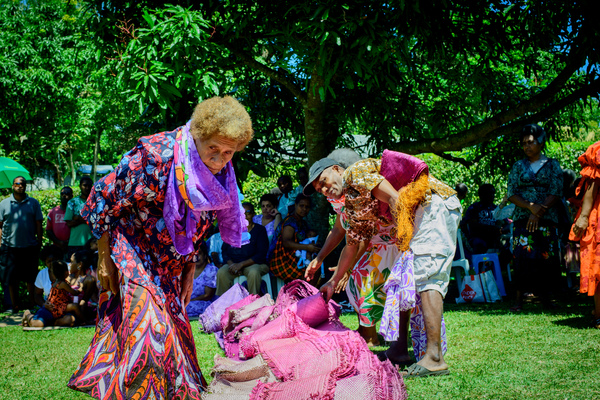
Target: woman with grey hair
535 187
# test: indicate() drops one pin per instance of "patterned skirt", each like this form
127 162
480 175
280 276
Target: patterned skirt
141 349
365 287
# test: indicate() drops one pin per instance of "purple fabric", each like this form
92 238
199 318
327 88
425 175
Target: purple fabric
210 319
399 169
205 193
400 295
208 278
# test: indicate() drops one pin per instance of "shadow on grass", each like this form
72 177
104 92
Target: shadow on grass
576 308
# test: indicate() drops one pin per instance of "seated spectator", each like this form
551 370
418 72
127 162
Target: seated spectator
43 283
82 262
58 304
215 244
288 195
249 260
270 217
56 228
205 284
289 234
479 223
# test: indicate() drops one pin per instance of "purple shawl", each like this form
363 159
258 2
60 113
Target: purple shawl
204 193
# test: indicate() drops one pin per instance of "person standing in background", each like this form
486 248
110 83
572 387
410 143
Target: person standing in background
80 231
56 228
21 231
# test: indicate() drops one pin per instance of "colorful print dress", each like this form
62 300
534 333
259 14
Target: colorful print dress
283 262
143 345
541 244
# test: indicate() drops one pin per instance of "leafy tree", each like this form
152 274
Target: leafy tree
56 97
419 77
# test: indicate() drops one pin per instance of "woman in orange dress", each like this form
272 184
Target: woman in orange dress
586 229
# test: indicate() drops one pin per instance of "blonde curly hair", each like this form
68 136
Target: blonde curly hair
222 116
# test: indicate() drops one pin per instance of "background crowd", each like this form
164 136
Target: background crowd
529 230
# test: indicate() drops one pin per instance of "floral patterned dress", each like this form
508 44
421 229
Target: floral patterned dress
143 345
542 244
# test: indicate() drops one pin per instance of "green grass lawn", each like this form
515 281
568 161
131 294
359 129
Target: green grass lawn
493 354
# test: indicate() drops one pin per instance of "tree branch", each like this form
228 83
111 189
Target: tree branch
497 125
271 73
459 160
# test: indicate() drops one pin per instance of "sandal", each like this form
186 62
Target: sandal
596 323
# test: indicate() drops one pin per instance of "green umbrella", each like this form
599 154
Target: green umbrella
9 170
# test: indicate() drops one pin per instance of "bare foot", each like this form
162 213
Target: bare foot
26 317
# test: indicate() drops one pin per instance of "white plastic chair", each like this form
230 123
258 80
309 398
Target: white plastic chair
266 278
462 262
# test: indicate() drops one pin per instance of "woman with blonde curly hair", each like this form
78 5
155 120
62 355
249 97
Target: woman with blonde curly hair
150 216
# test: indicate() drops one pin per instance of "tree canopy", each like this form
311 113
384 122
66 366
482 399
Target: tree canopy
417 77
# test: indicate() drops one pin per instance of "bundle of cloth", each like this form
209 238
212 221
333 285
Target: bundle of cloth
295 348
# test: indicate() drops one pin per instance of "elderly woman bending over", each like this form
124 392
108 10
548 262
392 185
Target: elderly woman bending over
150 216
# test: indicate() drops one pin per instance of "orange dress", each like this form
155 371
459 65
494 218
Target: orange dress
590 251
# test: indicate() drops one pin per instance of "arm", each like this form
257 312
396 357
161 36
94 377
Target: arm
260 244
38 296
287 237
65 286
582 222
39 231
107 270
187 282
334 238
209 292
385 192
75 221
347 258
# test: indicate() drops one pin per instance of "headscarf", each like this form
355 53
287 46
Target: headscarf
192 190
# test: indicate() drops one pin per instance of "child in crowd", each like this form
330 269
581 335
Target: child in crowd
303 257
58 303
82 261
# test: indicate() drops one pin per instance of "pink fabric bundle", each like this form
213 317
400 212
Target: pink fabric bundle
210 320
309 351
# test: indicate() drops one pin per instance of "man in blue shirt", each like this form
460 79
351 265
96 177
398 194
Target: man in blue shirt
21 232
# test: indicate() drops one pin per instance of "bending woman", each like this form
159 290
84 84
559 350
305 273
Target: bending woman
150 216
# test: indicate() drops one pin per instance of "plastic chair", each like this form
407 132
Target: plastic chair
493 258
266 278
462 262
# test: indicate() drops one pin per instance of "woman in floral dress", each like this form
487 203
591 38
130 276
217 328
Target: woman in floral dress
535 186
150 216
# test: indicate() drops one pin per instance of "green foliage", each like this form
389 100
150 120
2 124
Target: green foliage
490 169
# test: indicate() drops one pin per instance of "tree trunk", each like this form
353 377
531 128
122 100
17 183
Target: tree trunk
72 166
96 149
317 147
